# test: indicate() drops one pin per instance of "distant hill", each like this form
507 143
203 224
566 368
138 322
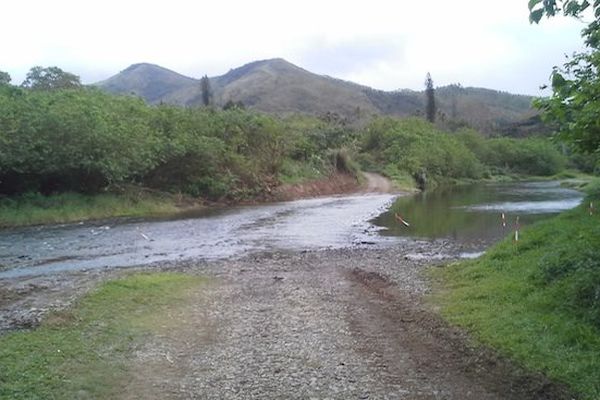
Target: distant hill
148 81
278 86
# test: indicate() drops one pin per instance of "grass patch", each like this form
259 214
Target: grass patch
34 208
539 301
83 352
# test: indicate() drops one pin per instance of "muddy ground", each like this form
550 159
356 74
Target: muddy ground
333 324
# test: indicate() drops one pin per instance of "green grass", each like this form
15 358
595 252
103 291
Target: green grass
33 209
538 300
83 353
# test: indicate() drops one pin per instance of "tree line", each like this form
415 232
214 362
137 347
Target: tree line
57 135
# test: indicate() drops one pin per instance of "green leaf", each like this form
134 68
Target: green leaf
572 8
585 4
536 15
558 80
533 3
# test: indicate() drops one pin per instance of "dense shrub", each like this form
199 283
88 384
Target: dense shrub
85 140
415 146
530 156
72 140
589 163
526 156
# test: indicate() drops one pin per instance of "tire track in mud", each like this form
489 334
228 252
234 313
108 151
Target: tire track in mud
435 360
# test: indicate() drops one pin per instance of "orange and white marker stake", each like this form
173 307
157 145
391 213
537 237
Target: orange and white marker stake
399 219
503 220
517 230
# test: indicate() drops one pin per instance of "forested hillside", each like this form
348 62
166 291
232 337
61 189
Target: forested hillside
277 86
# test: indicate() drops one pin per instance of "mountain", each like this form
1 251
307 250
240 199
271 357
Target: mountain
278 86
148 81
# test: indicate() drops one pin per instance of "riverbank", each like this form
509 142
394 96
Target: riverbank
347 323
35 209
139 202
536 300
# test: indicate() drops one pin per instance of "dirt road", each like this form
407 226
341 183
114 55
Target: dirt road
343 324
377 183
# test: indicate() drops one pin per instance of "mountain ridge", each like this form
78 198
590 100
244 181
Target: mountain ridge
278 86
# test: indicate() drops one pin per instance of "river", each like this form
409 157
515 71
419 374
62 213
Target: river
469 214
472 214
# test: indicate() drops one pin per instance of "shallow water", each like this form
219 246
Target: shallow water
472 215
299 225
469 215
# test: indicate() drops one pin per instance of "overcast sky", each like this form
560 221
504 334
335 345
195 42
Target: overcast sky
384 44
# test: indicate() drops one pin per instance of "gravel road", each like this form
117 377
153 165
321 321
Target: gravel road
333 324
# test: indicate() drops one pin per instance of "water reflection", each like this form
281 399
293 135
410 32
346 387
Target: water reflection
472 214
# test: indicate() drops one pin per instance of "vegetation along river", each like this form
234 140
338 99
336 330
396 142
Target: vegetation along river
470 215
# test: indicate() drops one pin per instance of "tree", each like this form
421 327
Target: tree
206 92
429 99
4 78
574 105
50 78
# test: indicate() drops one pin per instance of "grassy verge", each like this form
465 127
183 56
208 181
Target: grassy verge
82 353
538 300
33 209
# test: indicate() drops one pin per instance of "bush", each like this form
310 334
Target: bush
72 140
526 156
417 147
588 163
86 140
342 163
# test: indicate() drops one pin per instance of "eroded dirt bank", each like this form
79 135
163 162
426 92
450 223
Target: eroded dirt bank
335 184
339 324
